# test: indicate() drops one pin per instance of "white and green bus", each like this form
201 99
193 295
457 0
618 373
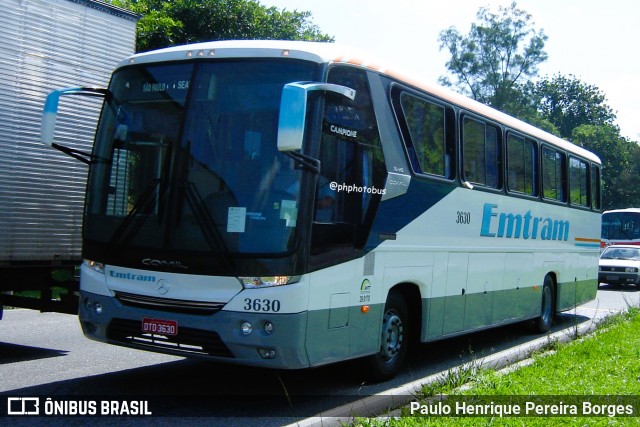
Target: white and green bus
289 205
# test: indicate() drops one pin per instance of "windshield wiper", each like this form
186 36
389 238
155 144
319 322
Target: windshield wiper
142 206
206 223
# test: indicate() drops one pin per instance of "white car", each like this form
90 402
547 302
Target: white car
620 265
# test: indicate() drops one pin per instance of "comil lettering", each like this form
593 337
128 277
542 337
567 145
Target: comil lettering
521 226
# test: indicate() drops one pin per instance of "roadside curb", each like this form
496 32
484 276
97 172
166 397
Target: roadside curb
388 401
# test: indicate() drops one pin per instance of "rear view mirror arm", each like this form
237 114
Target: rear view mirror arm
306 162
83 156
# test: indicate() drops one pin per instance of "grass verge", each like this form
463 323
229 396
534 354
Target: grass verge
602 369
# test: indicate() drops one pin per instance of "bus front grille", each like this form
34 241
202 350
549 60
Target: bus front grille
171 305
188 341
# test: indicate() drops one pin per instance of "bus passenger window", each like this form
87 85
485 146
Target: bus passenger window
521 165
595 187
578 182
425 123
553 171
481 153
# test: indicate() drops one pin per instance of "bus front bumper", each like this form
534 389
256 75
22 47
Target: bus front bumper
253 339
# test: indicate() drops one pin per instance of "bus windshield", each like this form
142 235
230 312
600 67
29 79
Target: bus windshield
187 160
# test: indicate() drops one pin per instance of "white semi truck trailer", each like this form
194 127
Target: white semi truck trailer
48 44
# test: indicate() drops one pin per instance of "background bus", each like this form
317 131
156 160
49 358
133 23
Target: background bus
288 204
621 226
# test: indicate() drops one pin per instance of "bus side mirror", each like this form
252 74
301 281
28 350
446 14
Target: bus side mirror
293 111
50 113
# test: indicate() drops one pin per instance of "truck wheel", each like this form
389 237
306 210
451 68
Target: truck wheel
547 308
394 342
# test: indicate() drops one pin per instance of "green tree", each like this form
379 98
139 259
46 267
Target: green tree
567 102
524 104
170 23
495 63
620 167
579 112
498 53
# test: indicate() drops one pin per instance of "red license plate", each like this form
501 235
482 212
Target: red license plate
159 326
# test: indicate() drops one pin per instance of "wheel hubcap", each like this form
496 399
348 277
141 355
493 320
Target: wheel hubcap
392 336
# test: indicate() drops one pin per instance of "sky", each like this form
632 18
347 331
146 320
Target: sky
596 41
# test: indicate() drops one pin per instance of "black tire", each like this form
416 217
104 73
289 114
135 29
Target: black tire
394 343
547 307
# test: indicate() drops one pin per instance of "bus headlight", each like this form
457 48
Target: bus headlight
267 281
95 266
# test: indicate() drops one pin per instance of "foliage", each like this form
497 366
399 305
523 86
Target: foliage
524 104
495 64
568 103
170 23
579 112
498 52
619 156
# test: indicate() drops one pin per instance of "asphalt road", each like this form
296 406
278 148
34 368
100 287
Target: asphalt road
46 355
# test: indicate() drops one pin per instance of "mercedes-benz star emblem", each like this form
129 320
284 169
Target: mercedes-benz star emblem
163 287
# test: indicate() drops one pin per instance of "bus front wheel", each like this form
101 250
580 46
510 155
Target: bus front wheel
394 340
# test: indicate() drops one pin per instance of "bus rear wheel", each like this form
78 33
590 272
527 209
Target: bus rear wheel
394 340
547 307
